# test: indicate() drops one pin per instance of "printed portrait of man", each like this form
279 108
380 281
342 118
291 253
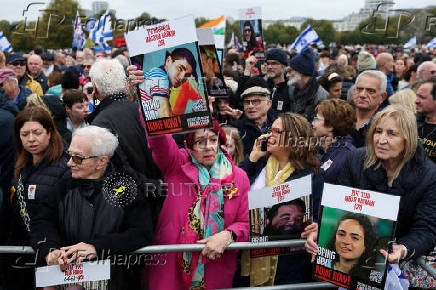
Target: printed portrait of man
179 65
286 219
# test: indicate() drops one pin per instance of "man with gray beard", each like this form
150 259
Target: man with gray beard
308 93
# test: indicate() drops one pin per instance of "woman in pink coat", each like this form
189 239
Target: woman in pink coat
206 203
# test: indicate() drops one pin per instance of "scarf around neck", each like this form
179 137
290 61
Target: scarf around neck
205 217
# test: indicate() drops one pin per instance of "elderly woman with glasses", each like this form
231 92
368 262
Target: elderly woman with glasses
394 163
291 153
101 214
206 204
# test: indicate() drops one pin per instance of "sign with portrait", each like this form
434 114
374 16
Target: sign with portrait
173 95
355 225
251 32
279 212
213 76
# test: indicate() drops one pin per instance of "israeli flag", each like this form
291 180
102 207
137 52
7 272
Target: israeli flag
90 24
410 43
432 43
4 43
79 36
102 32
307 37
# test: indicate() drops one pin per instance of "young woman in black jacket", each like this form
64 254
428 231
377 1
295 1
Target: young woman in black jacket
41 172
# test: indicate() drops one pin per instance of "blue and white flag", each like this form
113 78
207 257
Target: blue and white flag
102 32
90 23
4 43
234 41
307 37
410 43
432 43
79 36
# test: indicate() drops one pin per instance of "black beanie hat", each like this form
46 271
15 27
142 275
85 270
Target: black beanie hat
304 62
70 79
278 55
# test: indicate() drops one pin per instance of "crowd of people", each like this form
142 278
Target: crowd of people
81 179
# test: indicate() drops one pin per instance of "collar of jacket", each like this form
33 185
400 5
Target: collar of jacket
270 118
103 104
93 183
271 84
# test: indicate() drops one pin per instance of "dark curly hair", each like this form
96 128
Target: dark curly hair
370 240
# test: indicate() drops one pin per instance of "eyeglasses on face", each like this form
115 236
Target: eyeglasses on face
88 66
204 142
77 158
275 131
255 102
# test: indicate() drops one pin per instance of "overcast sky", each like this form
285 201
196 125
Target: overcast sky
271 9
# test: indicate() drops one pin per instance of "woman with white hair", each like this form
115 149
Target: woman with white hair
100 215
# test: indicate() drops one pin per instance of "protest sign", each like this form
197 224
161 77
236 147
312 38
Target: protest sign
279 212
173 95
213 76
80 272
251 31
355 224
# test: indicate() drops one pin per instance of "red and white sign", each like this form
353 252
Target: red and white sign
163 35
361 201
250 13
269 196
80 272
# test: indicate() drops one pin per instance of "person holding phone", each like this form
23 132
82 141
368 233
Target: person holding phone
291 153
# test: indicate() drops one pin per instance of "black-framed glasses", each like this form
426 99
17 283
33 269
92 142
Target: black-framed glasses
77 158
255 102
88 66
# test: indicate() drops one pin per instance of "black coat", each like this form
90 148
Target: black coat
49 180
279 93
249 131
416 184
92 212
121 116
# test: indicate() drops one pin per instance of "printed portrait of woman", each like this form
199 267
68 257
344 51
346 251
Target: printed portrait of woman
355 244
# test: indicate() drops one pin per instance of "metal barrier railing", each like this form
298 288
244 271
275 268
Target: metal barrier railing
178 247
233 246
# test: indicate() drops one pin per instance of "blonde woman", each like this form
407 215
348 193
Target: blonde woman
393 163
406 97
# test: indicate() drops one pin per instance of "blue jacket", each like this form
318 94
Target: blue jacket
334 156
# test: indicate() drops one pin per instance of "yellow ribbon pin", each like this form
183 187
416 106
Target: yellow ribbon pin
119 190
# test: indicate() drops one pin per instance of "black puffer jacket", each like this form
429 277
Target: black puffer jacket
48 181
416 185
